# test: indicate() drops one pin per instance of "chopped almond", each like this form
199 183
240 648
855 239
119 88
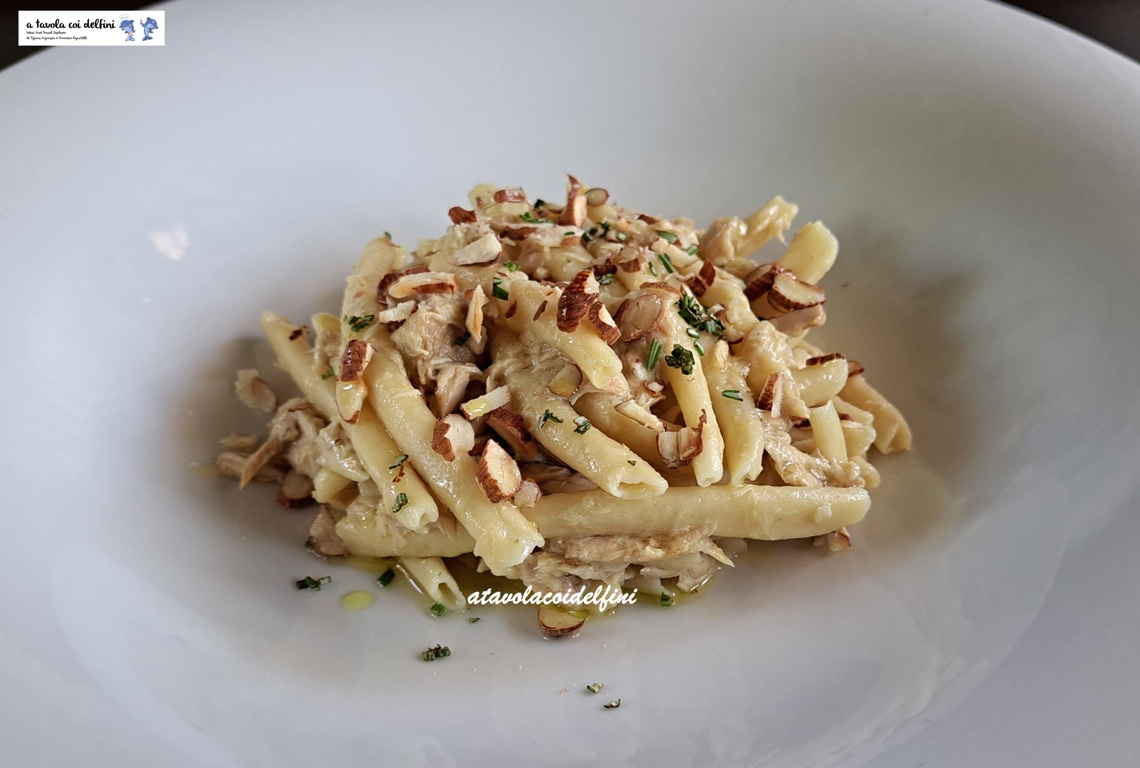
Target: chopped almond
759 281
528 494
576 299
772 396
357 354
497 473
481 406
475 313
557 621
398 313
453 435
462 216
575 211
601 319
512 427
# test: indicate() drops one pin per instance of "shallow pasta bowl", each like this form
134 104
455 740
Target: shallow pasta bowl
977 167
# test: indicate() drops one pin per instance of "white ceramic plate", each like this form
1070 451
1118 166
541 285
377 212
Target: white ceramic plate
980 169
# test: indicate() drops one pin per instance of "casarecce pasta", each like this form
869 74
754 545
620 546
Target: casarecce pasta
573 394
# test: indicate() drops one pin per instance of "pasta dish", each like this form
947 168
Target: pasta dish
572 394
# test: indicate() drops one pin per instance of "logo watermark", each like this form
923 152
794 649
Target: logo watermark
136 28
604 597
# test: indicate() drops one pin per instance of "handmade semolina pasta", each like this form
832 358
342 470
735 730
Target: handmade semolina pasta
574 394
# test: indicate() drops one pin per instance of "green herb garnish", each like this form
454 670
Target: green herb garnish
511 266
462 338
328 374
692 250
436 652
356 323
398 461
386 578
606 279
438 609
680 358
667 236
548 416
733 394
697 316
667 600
497 289
612 704
666 262
473 620
401 502
654 354
595 687
582 425
310 583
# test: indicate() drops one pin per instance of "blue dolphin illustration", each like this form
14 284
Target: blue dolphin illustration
149 26
128 26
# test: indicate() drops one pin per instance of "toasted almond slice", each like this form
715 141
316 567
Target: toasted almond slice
482 250
601 319
703 280
411 284
826 358
679 447
759 281
772 396
639 315
836 541
453 435
566 382
597 196
512 427
575 211
497 473
355 358
481 406
636 412
462 216
254 392
854 368
790 294
556 621
799 321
